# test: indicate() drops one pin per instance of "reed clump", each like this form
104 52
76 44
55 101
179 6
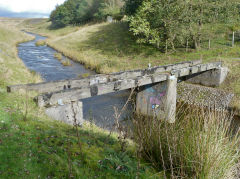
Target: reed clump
40 43
66 62
201 144
58 56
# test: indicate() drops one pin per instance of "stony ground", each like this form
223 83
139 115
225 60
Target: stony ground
204 96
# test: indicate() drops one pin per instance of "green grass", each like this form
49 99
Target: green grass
33 146
41 148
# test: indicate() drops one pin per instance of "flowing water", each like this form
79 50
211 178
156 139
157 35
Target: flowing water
40 59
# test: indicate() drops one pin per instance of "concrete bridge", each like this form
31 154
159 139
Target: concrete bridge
156 88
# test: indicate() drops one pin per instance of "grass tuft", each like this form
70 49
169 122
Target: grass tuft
201 144
58 56
40 43
66 62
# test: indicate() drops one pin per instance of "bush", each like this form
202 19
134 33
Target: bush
201 144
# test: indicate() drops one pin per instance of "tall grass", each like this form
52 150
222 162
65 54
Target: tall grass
201 144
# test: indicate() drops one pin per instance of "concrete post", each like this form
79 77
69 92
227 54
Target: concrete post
212 78
171 99
158 100
67 113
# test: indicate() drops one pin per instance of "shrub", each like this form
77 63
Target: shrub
201 144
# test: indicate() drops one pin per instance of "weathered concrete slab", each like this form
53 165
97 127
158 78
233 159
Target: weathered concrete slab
196 69
67 96
97 79
211 78
68 113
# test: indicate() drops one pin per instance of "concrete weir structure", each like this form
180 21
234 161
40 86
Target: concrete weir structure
156 89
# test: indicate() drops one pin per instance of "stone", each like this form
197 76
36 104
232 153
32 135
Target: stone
202 96
68 113
109 19
212 78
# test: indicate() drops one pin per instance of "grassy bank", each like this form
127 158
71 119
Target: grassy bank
32 146
108 48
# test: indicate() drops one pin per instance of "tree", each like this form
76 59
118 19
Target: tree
177 23
160 23
110 8
131 6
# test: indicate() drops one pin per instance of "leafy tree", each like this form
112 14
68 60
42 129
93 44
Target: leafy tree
110 8
61 17
177 23
159 22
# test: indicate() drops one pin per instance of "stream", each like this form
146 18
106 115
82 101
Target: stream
40 59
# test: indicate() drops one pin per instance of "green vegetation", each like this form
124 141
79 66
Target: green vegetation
200 144
58 56
186 23
40 43
84 75
32 146
82 11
